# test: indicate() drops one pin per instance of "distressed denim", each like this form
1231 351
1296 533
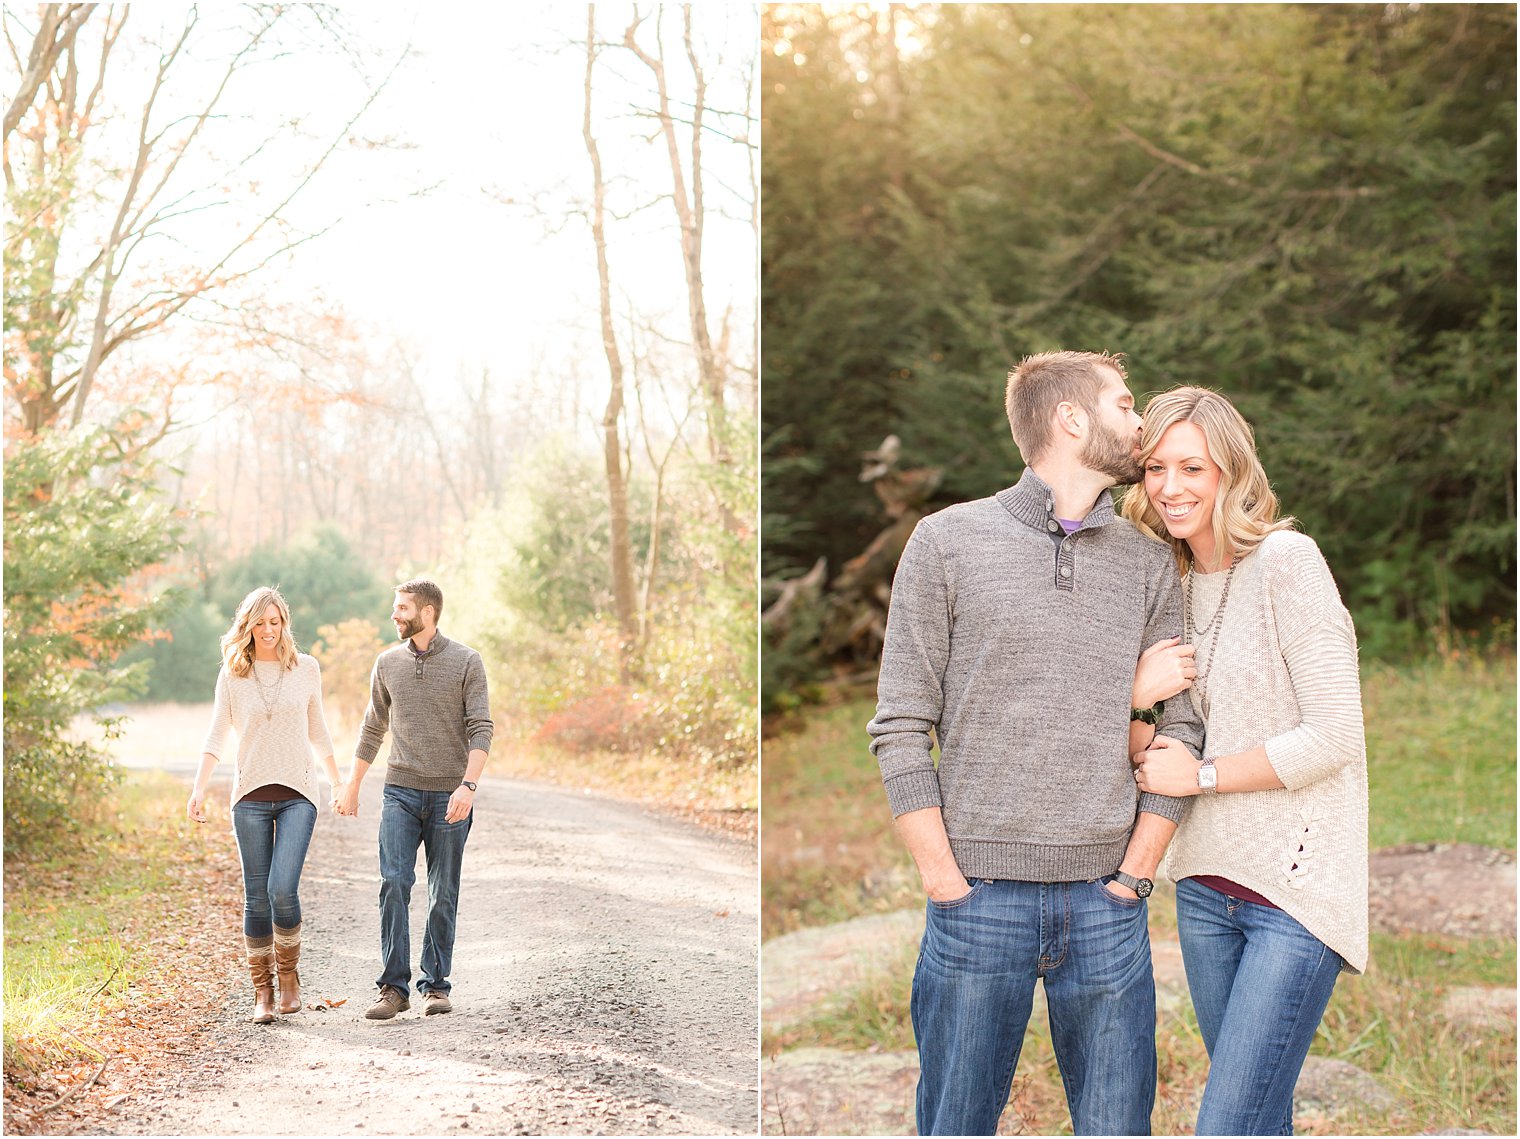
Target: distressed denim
272 839
973 992
1260 984
409 819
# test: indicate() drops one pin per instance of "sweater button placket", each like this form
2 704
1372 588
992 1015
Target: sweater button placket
1066 562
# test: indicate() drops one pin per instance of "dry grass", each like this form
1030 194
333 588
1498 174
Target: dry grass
113 948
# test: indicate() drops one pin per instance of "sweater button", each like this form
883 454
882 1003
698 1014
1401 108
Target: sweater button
1052 525
1065 571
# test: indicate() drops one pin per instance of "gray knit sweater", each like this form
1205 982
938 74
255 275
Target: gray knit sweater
1018 653
437 709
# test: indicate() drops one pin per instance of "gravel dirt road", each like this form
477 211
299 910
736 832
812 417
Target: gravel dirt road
605 982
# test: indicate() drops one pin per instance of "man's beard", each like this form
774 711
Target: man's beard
413 627
1111 454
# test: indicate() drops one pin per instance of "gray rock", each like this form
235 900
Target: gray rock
802 970
1335 1089
821 1091
1453 888
1478 1010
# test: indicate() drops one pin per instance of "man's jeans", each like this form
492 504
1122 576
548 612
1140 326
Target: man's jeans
974 989
1260 984
409 818
272 839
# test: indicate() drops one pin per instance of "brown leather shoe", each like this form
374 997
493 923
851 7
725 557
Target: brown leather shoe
433 1002
287 955
392 1000
261 966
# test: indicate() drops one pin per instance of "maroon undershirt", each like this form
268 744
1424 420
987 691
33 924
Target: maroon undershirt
1233 889
271 793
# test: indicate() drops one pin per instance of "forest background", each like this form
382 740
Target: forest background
290 299
1310 208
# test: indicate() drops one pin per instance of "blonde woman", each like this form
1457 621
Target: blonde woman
272 695
1270 858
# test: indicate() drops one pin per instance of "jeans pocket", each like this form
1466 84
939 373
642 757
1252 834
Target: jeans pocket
956 903
1101 884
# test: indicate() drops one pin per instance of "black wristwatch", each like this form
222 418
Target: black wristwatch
467 783
1141 886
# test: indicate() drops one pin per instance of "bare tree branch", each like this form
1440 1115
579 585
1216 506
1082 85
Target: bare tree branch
60 24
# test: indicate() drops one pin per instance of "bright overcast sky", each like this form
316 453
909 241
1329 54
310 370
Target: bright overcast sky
493 106
489 107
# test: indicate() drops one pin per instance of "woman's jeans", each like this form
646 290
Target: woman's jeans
410 818
272 839
974 989
1260 984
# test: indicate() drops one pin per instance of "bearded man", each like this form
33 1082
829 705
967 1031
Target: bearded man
1015 627
430 692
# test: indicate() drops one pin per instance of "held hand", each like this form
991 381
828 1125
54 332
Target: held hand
460 803
1167 768
195 809
346 799
1164 669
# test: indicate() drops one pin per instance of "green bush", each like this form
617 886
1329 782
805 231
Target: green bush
84 521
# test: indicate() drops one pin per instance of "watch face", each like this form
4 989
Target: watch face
1145 887
1208 776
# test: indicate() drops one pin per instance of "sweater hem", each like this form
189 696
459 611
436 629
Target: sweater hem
394 778
1029 862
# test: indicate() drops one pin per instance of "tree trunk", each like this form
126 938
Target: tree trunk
710 367
617 484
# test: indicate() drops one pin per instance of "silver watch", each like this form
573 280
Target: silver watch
1208 776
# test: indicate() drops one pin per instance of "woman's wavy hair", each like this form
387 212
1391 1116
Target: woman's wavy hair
237 642
1245 509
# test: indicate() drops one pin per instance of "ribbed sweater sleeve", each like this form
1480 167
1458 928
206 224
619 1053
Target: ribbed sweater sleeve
377 717
1319 649
477 705
221 718
911 690
316 721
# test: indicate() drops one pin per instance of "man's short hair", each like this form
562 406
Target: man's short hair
1043 381
424 592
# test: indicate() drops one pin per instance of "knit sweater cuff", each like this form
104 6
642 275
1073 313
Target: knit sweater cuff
1166 807
913 791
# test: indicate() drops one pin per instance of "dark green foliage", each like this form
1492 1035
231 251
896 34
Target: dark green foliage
83 521
1309 208
183 662
322 579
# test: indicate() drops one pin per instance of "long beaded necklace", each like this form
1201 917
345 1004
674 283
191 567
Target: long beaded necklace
1215 622
269 702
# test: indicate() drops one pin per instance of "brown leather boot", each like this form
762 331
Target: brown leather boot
261 965
287 954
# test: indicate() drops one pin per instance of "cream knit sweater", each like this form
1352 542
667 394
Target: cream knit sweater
277 748
1284 674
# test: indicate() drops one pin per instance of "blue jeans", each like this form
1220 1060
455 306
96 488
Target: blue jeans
272 839
1260 983
974 989
408 819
